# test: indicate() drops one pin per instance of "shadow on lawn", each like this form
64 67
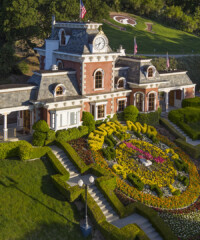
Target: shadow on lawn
9 182
54 230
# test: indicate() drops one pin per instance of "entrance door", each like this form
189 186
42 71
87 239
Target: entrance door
26 121
171 98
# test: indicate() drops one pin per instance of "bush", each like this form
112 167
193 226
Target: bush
109 153
51 135
191 102
71 133
151 118
88 120
169 127
193 151
21 68
136 182
180 165
41 126
108 142
39 138
157 190
73 155
112 139
131 113
184 180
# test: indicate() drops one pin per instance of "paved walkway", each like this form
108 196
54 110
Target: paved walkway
106 208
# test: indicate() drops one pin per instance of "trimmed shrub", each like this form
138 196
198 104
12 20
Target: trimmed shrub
39 138
157 190
135 181
131 113
51 135
109 153
41 126
180 165
38 152
108 142
184 180
191 102
71 133
112 139
193 151
88 120
151 118
73 155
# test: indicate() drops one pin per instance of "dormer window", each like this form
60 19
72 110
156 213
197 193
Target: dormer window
120 82
150 72
59 91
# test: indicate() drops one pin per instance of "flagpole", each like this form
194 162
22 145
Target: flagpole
80 12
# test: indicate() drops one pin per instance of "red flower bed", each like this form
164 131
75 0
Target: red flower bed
81 147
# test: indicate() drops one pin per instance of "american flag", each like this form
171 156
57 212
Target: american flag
135 46
82 10
167 60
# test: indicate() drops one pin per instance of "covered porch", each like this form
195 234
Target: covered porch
21 124
171 98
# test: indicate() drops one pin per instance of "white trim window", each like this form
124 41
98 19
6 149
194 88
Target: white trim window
151 72
139 101
121 104
151 101
121 83
52 120
98 110
59 90
98 79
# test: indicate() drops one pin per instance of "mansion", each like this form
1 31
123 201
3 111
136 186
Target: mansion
80 72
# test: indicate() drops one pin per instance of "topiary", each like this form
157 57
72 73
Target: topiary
51 135
88 120
131 113
41 126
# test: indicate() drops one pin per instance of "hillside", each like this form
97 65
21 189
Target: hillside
162 39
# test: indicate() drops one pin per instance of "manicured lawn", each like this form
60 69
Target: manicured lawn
162 39
30 205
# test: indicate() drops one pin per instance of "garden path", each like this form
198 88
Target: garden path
104 205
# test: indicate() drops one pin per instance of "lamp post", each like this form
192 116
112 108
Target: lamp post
86 228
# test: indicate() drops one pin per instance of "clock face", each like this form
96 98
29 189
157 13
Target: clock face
99 43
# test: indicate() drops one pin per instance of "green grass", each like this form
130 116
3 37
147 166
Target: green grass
30 205
162 40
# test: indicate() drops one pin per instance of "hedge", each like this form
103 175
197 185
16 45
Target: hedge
73 155
191 102
193 151
151 118
171 129
135 181
71 133
107 186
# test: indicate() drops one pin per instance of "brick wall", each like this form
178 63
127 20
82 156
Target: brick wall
189 92
90 68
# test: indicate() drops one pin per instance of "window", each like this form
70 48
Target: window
121 105
98 79
53 120
100 111
60 120
62 38
60 65
93 110
59 91
151 101
150 72
73 118
120 83
139 101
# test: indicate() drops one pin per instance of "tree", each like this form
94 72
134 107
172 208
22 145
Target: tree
131 113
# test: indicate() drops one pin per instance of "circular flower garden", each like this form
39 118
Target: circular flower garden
149 168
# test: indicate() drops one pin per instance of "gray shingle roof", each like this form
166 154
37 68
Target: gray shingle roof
47 84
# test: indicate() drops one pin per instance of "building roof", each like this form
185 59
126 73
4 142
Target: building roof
12 86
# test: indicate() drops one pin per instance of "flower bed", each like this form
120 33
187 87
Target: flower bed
170 182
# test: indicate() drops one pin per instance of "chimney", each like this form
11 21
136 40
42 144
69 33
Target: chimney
54 67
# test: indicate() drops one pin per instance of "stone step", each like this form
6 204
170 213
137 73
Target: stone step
112 218
154 235
147 225
74 175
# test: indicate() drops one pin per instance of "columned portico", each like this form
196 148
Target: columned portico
167 100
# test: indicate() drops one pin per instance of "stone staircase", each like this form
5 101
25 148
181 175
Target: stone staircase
103 204
101 201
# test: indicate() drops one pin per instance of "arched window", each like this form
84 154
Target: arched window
139 101
98 79
151 102
59 91
150 72
120 83
63 38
